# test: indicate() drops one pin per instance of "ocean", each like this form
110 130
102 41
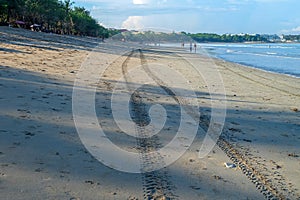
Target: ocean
281 58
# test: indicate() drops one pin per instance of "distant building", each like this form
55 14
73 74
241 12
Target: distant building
271 38
123 30
282 38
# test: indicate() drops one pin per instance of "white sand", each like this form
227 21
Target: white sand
42 157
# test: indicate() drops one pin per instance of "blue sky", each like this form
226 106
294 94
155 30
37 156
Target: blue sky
214 16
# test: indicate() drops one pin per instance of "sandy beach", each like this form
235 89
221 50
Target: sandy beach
42 156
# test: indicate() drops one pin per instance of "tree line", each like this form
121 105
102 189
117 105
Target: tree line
159 37
151 37
58 16
212 37
292 37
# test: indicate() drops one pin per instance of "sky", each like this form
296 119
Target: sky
210 16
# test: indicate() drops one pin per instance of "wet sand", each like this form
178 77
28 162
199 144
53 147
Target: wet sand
42 157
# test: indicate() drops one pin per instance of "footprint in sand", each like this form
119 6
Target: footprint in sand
28 134
24 113
38 170
3 131
90 182
74 198
235 130
234 123
195 187
17 143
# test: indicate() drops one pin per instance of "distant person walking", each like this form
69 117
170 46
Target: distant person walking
191 47
195 47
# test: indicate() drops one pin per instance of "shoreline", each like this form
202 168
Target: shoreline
257 68
205 52
43 157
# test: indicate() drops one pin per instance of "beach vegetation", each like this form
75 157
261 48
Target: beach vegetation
55 16
212 37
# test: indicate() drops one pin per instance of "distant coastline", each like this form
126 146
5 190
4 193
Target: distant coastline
244 37
183 37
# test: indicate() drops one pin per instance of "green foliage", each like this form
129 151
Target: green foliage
152 37
53 15
84 24
292 37
159 37
211 37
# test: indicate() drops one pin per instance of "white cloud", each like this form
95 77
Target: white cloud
270 1
148 2
140 2
219 16
133 23
295 30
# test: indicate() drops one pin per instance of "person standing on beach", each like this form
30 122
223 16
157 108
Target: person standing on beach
191 47
195 47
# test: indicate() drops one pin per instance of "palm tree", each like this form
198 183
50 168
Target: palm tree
68 18
10 9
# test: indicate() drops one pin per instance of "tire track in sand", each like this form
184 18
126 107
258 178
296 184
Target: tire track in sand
261 181
156 184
